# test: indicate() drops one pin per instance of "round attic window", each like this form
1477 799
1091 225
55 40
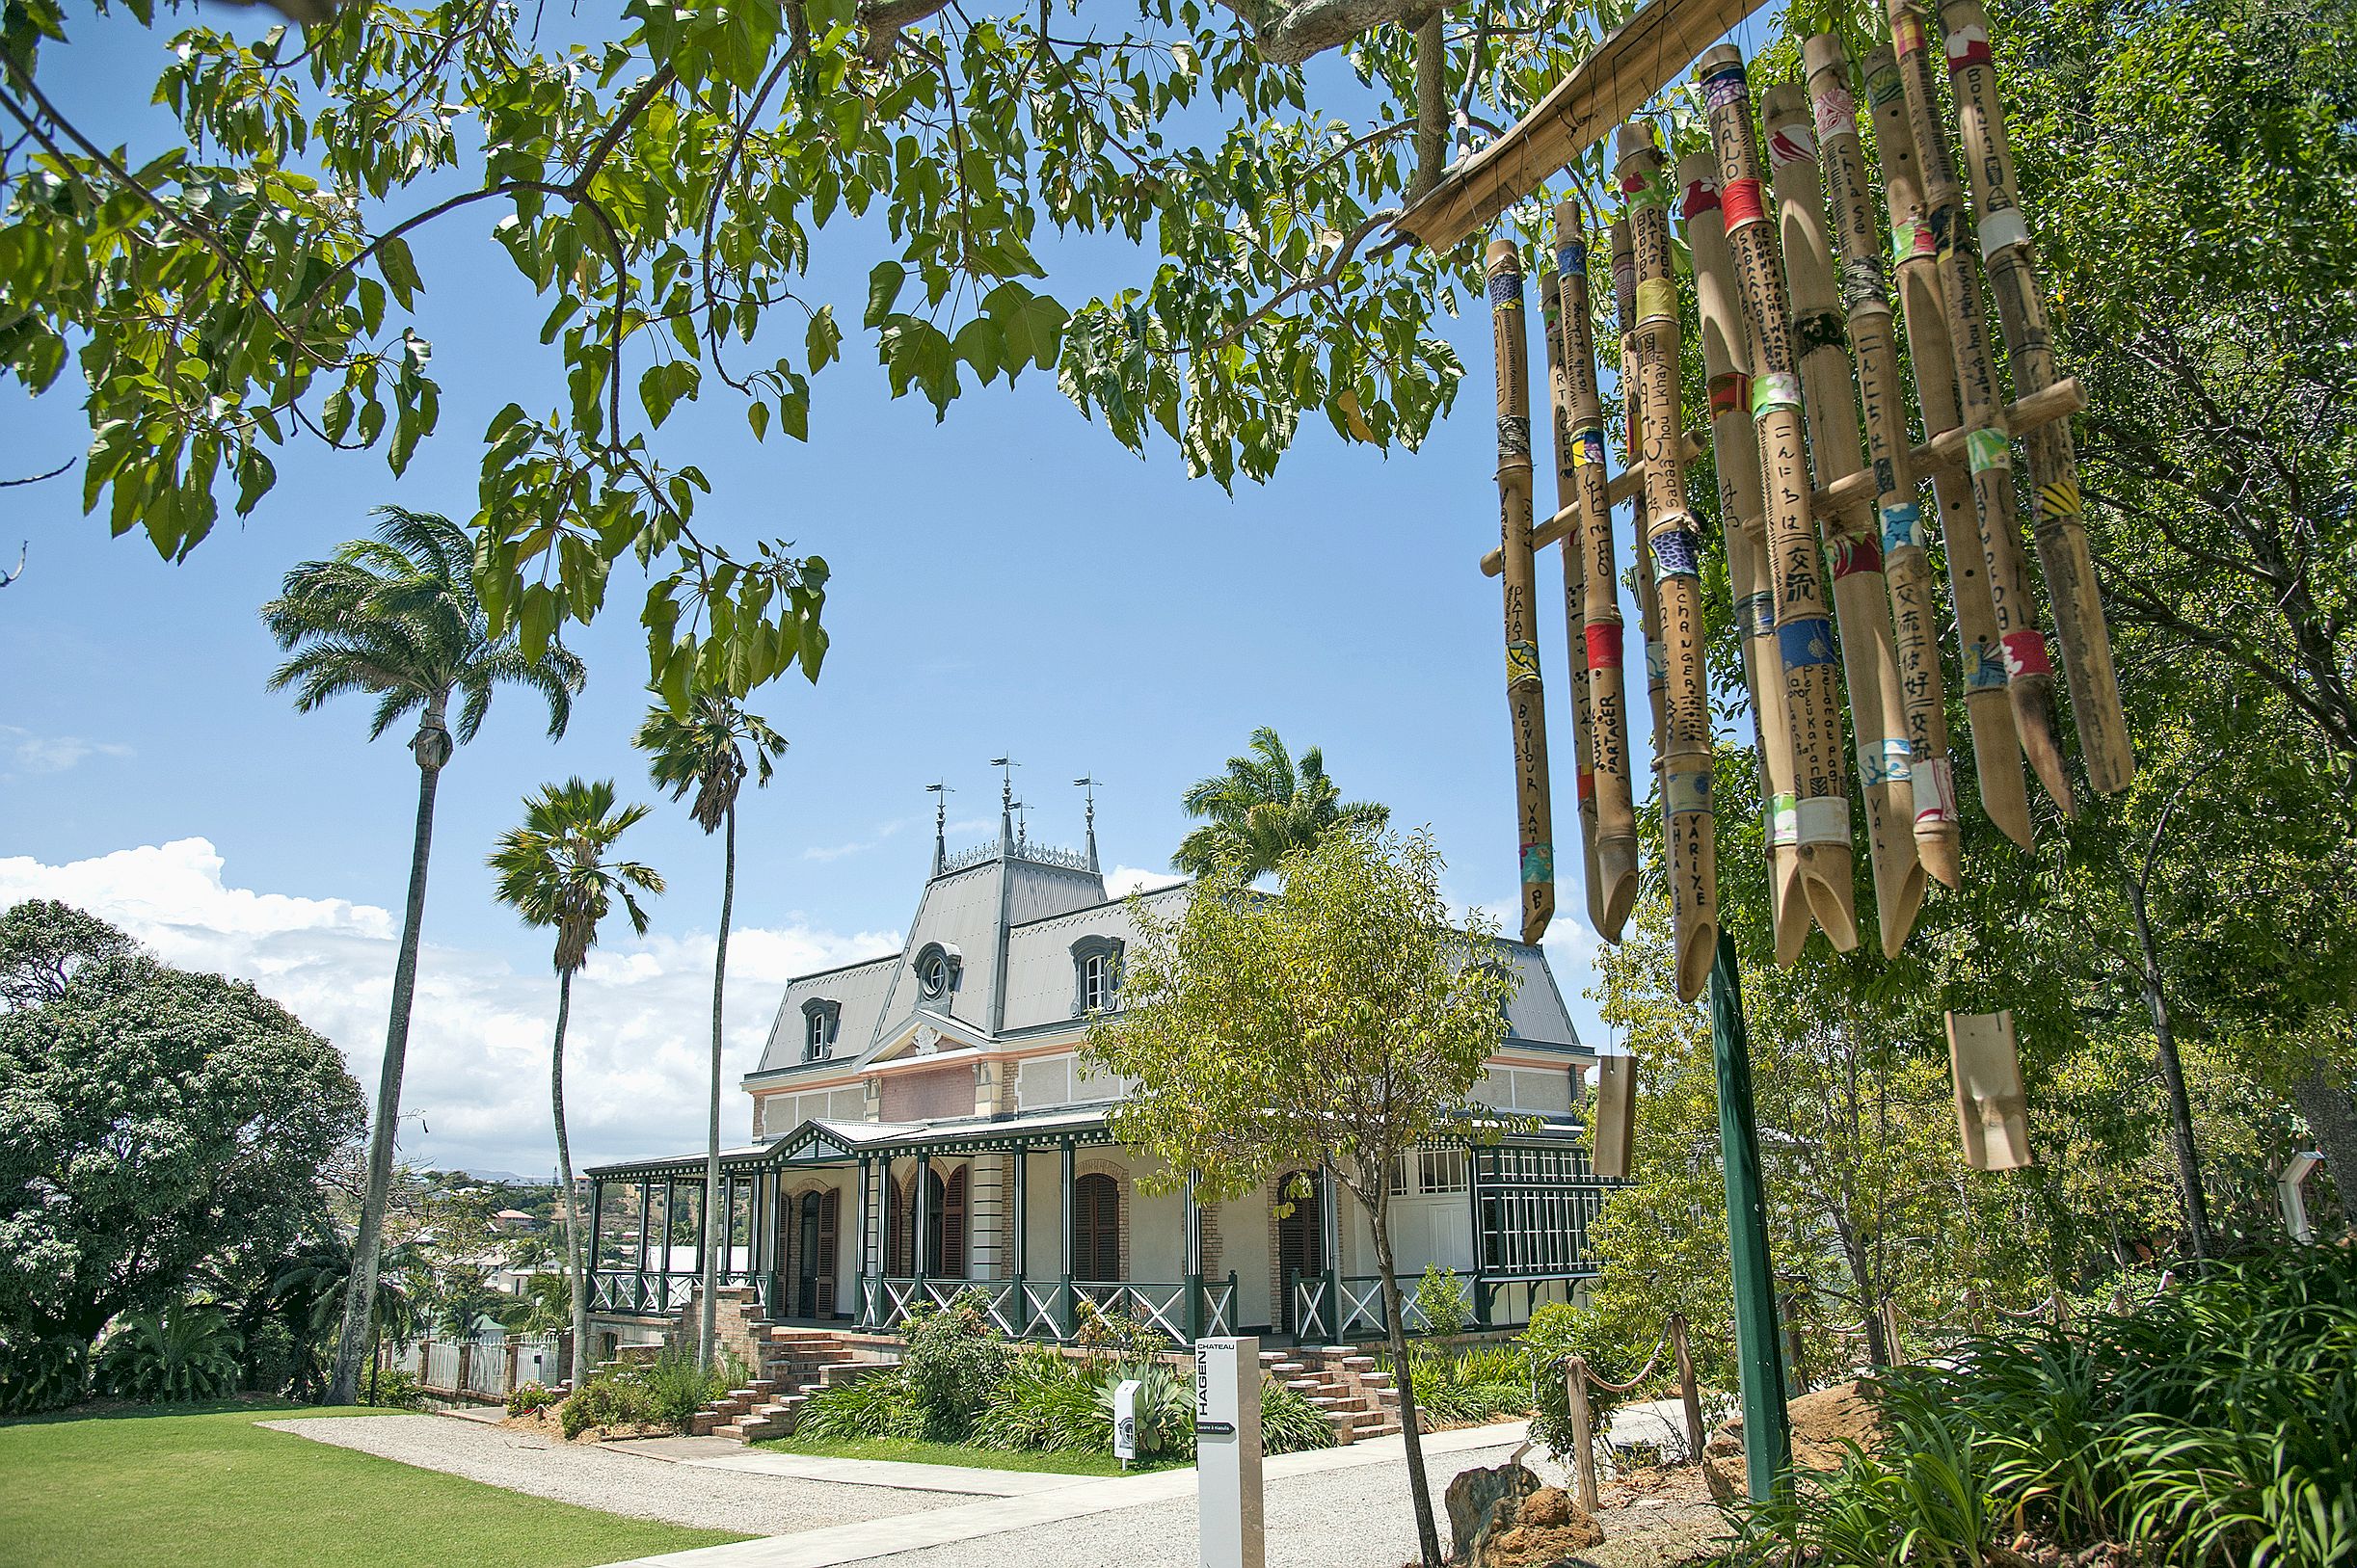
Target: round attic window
933 973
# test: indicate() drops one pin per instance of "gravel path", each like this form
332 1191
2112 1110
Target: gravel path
621 1483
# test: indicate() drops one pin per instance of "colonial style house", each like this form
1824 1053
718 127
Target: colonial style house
923 1126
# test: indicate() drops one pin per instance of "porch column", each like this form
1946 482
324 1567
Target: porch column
597 1212
1329 1221
867 1189
1479 1286
671 1215
646 1213
1191 1262
1064 1245
1022 1256
925 1218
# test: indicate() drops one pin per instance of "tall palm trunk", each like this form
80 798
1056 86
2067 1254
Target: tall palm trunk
715 1235
576 1276
1419 1488
432 747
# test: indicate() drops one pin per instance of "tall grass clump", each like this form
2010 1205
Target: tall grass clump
2215 1424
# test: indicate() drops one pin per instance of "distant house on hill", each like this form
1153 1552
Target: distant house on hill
921 1126
512 1220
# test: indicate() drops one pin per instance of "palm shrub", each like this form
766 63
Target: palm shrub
187 1351
41 1373
1289 1423
1046 1403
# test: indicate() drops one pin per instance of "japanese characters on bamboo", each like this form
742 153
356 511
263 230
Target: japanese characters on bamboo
1524 700
1684 742
1567 498
1805 632
1996 748
1648 605
1906 568
1599 614
2054 461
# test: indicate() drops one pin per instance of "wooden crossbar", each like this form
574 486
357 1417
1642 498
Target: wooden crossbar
1633 62
1852 493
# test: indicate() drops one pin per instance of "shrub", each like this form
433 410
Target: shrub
1289 1423
954 1364
270 1356
392 1388
1558 1330
1045 1401
41 1373
187 1351
1441 1301
876 1405
1473 1386
619 1397
677 1386
1165 1411
1116 1336
530 1398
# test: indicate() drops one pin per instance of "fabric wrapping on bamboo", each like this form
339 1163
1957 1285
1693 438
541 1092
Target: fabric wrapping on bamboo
1906 568
1735 458
1599 610
1566 494
1804 625
2029 677
1648 607
1861 604
1657 404
1997 747
2029 351
1525 701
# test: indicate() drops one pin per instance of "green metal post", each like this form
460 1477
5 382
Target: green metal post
1767 1427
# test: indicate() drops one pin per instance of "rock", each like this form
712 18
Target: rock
1546 1528
1474 1500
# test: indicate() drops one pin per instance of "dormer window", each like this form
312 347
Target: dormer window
1096 974
937 969
821 1021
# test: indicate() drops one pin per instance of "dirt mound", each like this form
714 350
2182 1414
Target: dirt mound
1821 1424
1547 1527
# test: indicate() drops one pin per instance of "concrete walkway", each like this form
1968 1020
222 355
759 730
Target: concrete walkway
1332 1508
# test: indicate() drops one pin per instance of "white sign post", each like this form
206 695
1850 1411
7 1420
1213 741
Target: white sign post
1227 1453
1125 1420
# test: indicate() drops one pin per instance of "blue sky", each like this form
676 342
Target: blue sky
1010 581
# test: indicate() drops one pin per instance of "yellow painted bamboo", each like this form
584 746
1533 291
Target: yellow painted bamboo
1566 491
2029 351
1735 456
1684 743
1907 569
1616 814
1861 603
2029 677
1803 629
1525 701
1997 747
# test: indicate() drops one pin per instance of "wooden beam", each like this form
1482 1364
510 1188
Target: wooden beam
1633 62
1852 493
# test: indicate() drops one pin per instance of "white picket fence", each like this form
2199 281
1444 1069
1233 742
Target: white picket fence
489 1368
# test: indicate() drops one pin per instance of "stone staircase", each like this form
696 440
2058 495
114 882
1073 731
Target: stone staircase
1357 1397
788 1365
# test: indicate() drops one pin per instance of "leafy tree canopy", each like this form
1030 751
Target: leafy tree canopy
160 1122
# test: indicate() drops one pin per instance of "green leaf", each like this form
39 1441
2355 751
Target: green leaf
883 288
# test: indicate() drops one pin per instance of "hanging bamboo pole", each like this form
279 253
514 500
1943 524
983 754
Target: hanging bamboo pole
1735 457
1566 492
2030 674
1616 814
1804 631
1907 571
1524 699
1862 605
1684 743
2029 349
1648 606
1997 747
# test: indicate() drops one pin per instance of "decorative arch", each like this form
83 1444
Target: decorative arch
1297 1242
1096 973
1118 1176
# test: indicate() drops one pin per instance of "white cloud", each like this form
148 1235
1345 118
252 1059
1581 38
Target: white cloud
52 753
636 1054
858 846
1124 880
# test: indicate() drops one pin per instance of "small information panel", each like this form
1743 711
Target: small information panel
1227 1453
1125 1418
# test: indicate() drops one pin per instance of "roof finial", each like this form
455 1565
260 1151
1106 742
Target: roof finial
1089 784
941 793
1006 766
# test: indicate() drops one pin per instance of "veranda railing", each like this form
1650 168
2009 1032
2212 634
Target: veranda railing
1184 1311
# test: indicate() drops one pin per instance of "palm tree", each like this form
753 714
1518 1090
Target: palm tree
397 617
703 750
555 872
1264 809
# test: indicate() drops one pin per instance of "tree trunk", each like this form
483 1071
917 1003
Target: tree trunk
2173 1081
575 1275
359 1293
2324 1099
717 1235
1419 1488
1869 1301
1431 104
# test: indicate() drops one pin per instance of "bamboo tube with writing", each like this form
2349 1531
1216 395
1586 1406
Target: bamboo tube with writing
1525 700
2030 674
1907 571
1804 629
1684 742
2029 349
1997 747
1615 812
1735 456
1861 604
1648 608
1566 492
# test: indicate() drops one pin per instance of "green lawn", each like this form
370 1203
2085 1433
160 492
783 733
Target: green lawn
207 1486
917 1452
